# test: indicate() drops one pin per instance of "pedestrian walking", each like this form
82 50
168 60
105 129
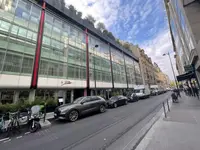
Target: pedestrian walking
174 97
189 90
196 92
178 93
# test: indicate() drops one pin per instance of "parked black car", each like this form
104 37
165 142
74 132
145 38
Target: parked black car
132 97
117 101
80 106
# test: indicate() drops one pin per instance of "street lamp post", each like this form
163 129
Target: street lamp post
172 68
95 82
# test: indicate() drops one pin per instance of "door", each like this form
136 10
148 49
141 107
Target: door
120 100
88 104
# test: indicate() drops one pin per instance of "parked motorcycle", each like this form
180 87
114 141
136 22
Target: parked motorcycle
34 119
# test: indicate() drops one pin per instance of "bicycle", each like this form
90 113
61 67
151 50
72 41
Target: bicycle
13 124
2 124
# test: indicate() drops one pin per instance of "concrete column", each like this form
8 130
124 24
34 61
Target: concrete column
91 92
72 96
0 97
64 97
16 96
31 95
56 95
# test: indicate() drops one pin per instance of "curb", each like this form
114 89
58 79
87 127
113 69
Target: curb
135 142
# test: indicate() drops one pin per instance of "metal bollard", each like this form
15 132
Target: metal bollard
164 109
45 112
168 105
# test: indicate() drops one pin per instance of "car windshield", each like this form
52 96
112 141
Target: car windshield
139 91
78 100
114 98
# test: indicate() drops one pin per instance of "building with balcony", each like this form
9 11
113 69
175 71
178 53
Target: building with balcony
46 49
184 23
161 78
147 69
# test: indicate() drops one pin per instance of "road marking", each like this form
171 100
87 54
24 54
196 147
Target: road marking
7 141
18 137
4 139
27 133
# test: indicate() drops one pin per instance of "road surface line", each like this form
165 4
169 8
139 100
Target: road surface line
4 139
7 141
27 133
18 137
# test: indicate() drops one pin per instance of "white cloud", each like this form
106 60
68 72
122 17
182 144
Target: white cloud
102 10
156 47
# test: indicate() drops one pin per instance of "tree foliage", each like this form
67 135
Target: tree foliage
79 14
72 8
101 26
127 45
91 19
118 41
110 35
62 4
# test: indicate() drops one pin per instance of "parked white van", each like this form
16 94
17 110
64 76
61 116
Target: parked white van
142 91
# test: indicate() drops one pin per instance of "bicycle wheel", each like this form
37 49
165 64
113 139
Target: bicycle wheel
8 129
16 126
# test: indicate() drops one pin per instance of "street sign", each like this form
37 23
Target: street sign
189 68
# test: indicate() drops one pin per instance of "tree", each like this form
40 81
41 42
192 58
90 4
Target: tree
105 32
118 41
72 8
101 26
110 35
62 5
90 19
127 45
79 14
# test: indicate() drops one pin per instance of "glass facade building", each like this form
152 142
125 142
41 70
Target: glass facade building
63 52
178 20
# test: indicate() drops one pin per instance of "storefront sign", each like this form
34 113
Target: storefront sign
65 82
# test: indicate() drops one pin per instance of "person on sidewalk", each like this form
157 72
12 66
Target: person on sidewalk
178 93
174 97
196 92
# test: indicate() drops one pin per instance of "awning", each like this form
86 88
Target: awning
186 76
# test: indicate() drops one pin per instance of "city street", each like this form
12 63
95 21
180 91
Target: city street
98 131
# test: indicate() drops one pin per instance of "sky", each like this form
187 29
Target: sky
142 22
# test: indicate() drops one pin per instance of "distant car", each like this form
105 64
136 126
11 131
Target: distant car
142 93
80 106
116 101
154 92
132 97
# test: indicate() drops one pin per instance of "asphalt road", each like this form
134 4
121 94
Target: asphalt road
99 131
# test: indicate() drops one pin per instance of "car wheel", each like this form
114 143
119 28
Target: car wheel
73 115
126 102
115 105
102 108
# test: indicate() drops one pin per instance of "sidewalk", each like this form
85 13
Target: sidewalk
179 131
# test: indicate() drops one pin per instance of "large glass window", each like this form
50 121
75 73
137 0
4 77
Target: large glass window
60 45
19 43
27 65
12 63
22 13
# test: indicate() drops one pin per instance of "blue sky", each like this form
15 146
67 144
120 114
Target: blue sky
141 22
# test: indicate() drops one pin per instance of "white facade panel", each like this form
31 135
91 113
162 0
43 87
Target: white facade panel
14 81
60 83
120 85
24 82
